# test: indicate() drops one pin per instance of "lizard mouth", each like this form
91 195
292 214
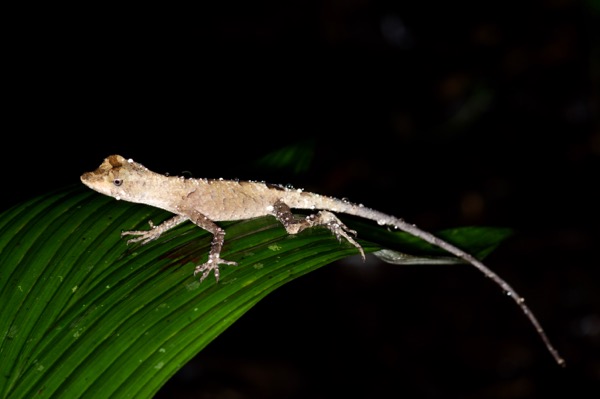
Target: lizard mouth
86 177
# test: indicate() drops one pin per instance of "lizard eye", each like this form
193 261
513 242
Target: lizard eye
117 182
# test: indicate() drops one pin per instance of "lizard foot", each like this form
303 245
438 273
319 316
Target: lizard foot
145 236
211 265
339 229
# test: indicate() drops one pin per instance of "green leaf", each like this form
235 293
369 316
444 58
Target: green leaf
479 241
86 315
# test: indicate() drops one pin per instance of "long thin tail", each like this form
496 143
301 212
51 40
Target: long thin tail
384 219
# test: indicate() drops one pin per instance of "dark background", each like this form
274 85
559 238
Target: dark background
445 113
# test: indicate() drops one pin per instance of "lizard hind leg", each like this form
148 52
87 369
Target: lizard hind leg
326 219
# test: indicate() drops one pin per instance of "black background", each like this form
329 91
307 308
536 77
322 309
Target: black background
446 113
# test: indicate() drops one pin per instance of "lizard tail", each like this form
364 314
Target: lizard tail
388 220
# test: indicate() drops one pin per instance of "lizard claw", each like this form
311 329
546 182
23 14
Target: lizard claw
212 265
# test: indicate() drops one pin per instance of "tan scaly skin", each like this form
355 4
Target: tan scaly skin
206 201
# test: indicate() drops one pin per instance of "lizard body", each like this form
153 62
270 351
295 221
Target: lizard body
206 201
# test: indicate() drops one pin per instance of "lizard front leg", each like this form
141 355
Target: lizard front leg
326 219
214 259
214 256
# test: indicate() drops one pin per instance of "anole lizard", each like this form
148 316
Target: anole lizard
206 201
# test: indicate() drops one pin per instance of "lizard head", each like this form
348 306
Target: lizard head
119 178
